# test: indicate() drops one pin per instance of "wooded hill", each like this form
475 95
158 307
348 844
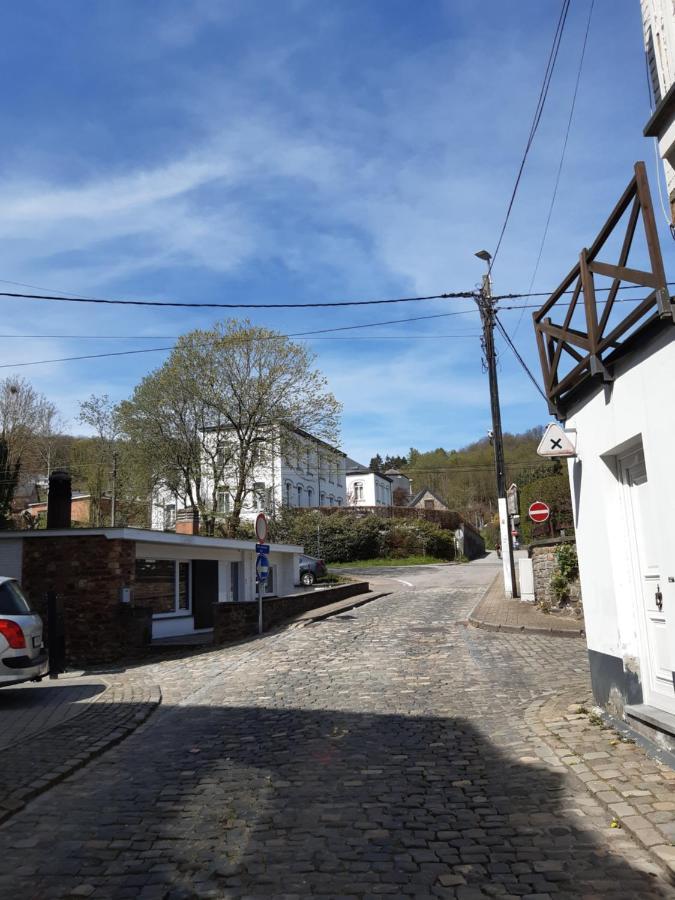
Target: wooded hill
465 478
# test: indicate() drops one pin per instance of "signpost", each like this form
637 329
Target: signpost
262 563
539 511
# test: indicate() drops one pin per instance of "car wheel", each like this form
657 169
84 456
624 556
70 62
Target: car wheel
307 578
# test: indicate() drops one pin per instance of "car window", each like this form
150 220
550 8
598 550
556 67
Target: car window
12 600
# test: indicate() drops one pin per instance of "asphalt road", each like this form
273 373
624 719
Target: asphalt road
380 752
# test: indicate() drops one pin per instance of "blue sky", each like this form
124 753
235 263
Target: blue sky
299 151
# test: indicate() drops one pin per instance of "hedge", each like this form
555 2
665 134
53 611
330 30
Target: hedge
345 537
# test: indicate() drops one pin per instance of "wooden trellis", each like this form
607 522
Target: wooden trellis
589 348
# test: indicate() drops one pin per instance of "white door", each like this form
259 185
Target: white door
657 657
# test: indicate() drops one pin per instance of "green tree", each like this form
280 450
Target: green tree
223 402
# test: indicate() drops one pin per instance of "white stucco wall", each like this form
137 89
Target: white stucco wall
309 475
376 491
637 406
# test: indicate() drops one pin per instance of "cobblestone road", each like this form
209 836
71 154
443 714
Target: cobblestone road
381 752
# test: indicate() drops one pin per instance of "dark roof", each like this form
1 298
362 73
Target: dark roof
418 496
397 472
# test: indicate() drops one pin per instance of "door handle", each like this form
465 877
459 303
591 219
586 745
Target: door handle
658 596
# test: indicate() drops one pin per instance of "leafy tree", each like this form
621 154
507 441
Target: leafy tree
221 404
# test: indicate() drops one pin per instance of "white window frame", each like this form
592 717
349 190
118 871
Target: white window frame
177 613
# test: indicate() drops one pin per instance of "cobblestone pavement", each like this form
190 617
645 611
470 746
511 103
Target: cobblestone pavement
27 709
381 752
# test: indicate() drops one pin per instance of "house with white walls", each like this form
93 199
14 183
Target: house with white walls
658 27
608 369
365 487
293 469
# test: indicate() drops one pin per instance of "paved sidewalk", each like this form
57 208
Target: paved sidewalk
495 613
637 791
33 764
28 709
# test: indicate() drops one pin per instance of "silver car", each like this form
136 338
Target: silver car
22 653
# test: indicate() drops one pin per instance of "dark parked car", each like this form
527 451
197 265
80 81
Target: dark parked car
311 569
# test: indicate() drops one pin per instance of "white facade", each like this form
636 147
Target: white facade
368 489
302 472
623 494
658 22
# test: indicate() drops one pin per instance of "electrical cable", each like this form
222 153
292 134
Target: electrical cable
454 295
541 102
562 157
463 295
520 359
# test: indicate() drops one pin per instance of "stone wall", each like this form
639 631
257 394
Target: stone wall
542 554
87 572
233 621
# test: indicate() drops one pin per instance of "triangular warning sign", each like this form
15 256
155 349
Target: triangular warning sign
557 442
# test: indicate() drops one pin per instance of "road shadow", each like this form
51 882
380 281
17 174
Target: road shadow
208 801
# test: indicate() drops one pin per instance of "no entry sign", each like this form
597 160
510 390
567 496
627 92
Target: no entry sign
539 511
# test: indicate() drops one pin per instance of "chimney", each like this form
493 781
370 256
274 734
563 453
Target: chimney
187 521
59 500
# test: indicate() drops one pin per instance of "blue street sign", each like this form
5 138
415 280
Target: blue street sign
262 567
262 548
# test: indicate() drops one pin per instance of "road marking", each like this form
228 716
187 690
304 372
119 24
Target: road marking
407 583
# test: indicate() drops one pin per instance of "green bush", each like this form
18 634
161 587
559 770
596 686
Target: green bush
554 490
346 537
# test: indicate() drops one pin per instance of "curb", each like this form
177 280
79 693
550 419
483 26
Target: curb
348 604
51 761
551 631
524 629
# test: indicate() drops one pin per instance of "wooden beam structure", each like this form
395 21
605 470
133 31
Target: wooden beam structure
588 346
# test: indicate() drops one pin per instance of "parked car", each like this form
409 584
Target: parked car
311 569
22 653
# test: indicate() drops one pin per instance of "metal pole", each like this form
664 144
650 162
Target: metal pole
487 314
260 605
114 489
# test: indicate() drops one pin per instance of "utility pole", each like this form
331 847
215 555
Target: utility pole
486 308
114 488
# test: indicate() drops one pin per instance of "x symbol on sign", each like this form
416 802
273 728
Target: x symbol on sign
556 444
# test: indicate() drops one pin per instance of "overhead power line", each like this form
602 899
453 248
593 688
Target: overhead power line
457 295
562 154
539 109
520 359
452 295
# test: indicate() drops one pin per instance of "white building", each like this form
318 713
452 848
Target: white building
368 488
658 22
295 470
608 374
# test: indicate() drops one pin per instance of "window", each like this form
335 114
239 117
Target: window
339 501
358 490
223 500
288 493
331 500
323 499
428 504
339 476
12 600
309 496
163 585
308 462
331 475
299 495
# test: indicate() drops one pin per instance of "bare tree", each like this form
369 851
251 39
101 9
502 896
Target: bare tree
24 414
